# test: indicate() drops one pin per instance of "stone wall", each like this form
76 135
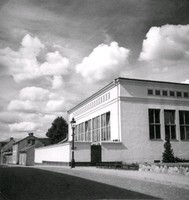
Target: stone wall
165 168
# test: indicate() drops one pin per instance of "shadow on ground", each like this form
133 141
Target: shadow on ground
20 183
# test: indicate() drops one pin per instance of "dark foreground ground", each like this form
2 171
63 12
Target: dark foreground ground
21 183
54 183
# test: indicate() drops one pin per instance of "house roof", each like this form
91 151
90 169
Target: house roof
45 141
114 83
18 141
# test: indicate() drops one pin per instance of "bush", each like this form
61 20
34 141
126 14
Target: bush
168 155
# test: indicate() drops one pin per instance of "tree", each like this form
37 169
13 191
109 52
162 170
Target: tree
58 131
168 155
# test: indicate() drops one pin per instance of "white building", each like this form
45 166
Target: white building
128 121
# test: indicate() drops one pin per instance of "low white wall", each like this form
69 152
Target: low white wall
53 153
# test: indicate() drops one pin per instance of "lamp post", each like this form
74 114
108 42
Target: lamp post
73 124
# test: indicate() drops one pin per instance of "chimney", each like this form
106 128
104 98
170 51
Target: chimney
30 134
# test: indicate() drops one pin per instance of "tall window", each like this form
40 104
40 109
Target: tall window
76 133
88 130
184 125
96 129
105 127
154 123
80 132
170 126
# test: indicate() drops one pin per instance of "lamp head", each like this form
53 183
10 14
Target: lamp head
73 123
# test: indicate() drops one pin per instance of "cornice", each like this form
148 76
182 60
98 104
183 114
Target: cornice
156 101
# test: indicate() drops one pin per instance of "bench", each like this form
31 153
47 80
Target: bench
117 165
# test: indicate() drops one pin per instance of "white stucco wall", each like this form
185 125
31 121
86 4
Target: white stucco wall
53 153
62 153
111 105
128 104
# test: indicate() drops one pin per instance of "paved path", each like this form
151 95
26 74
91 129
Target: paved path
23 183
165 186
44 183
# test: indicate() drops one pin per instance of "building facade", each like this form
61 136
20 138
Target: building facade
6 151
23 151
129 119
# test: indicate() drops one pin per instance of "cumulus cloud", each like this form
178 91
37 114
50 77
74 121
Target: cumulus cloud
24 63
9 117
31 47
23 127
166 43
55 65
55 106
34 94
105 61
22 106
57 82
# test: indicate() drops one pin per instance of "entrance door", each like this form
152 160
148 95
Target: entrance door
95 154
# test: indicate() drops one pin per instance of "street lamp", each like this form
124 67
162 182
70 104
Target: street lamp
73 124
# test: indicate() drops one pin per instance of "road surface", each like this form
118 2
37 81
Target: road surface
24 183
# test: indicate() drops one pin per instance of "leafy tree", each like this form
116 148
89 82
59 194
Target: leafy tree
58 131
168 155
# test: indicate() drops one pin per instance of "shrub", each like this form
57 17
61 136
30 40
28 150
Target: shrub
168 155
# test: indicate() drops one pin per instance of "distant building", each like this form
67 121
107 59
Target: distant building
6 150
128 121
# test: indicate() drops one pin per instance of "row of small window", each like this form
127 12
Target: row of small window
170 125
169 93
94 103
94 130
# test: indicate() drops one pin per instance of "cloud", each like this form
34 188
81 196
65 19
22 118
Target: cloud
22 106
55 106
24 64
55 65
9 117
57 82
23 127
105 62
31 47
34 94
166 43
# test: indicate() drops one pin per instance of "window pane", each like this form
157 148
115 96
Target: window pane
157 92
169 117
179 94
186 117
167 132
157 120
165 93
181 117
151 116
186 94
173 133
187 133
150 92
172 93
182 133
152 132
158 135
107 119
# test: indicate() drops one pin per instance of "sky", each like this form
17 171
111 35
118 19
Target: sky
54 54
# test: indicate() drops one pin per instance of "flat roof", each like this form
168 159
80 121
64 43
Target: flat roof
118 80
